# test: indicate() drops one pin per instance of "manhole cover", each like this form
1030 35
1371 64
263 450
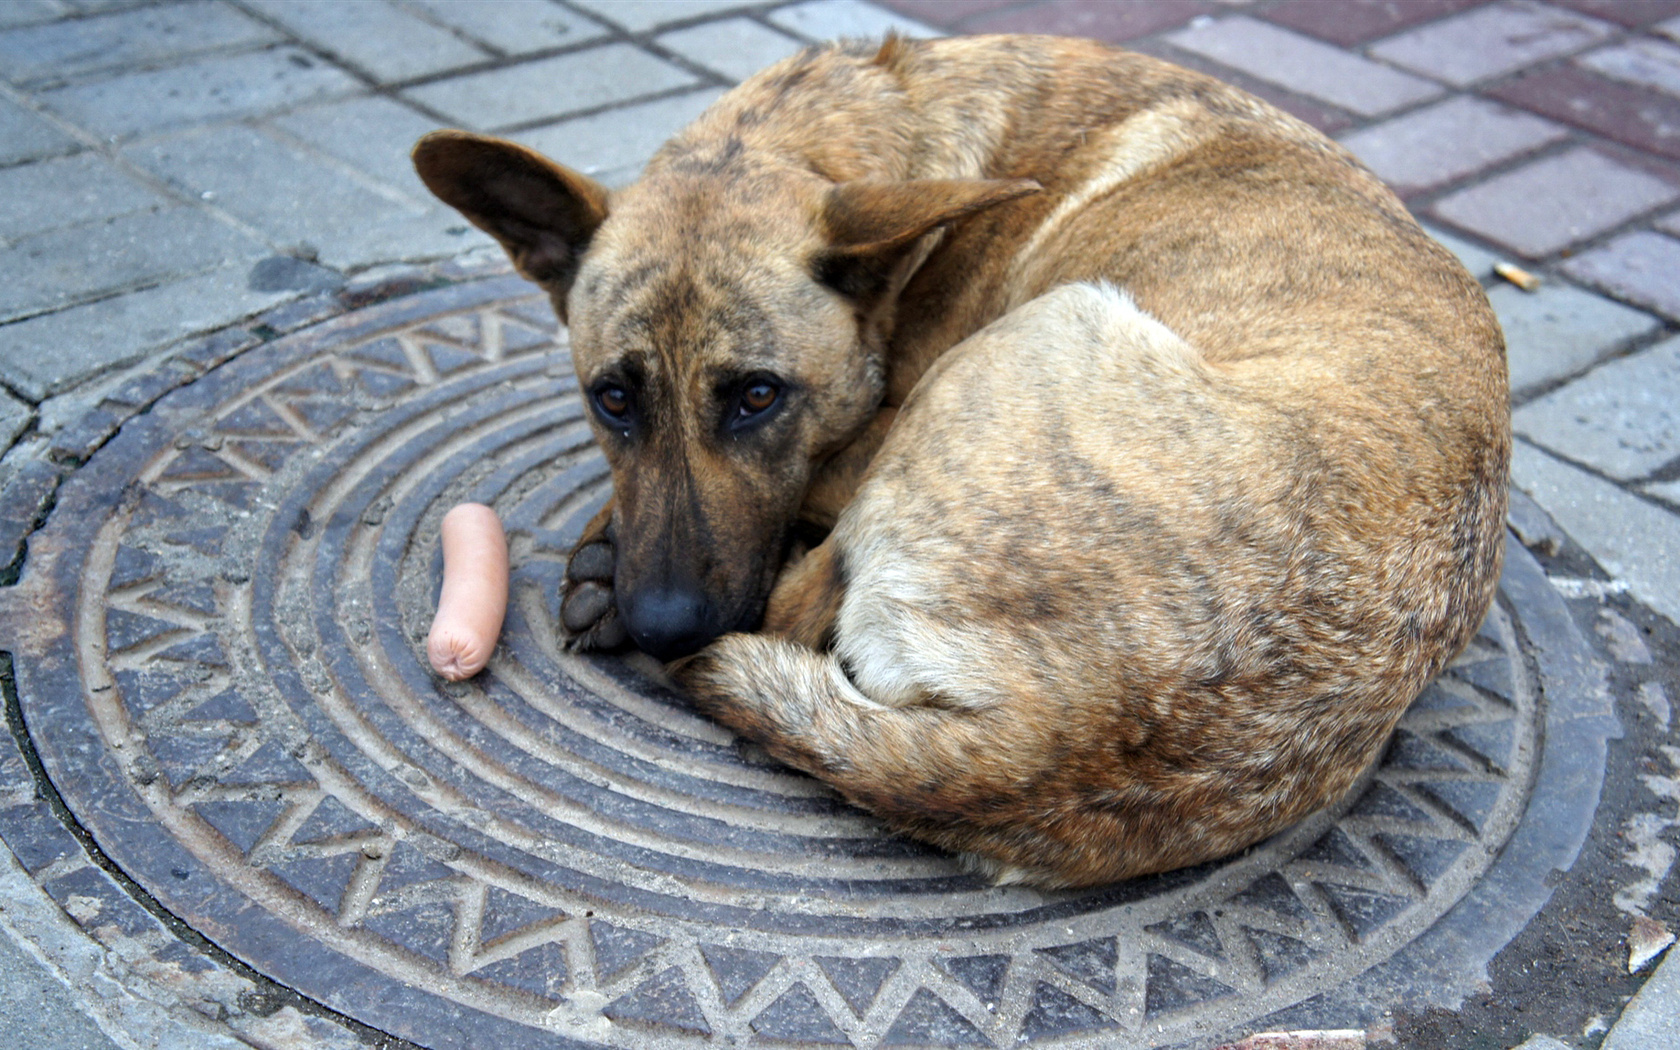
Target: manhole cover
225 677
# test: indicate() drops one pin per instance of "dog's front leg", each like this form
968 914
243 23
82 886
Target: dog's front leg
588 613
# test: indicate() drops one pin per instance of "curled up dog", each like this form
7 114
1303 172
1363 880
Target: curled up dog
1155 458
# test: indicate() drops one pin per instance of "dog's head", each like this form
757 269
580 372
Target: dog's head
727 321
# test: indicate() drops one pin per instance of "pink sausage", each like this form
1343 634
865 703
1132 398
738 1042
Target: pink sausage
475 592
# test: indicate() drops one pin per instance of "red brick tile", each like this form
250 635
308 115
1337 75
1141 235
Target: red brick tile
1356 21
1625 12
1327 119
1098 19
945 13
1635 116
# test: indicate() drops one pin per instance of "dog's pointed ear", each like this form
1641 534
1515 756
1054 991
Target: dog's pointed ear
542 213
871 226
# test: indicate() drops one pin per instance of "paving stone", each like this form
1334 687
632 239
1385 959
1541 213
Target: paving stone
376 37
57 268
613 146
28 12
302 204
1632 539
220 87
150 34
40 1012
1558 330
14 419
25 134
1665 490
1622 418
372 134
1303 64
1098 19
1670 28
733 47
1479 261
639 16
846 19
1326 118
1356 21
51 353
1555 202
1649 120
1435 145
1624 12
551 87
1491 40
946 14
1647 63
1652 1019
1640 266
513 27
67 191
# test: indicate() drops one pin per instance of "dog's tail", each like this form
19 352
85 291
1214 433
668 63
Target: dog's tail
937 772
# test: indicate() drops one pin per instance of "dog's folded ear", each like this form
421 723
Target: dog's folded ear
542 213
871 226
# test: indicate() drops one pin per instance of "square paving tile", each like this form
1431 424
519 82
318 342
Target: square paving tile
1098 19
1492 40
1303 64
1554 202
513 27
376 37
1637 116
612 146
28 12
1321 115
834 19
1622 418
945 13
732 47
77 46
213 88
1648 63
1625 12
25 134
1439 143
639 16
1642 267
1557 331
1351 22
551 87
1479 261
1670 28
67 191
372 134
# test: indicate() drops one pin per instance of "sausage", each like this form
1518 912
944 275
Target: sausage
475 592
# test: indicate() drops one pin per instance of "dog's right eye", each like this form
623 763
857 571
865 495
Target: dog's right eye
612 402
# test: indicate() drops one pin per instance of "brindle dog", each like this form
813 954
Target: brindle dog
1162 455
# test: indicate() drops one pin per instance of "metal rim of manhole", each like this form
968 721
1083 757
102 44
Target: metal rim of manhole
222 668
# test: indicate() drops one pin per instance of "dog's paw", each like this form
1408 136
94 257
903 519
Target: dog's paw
588 615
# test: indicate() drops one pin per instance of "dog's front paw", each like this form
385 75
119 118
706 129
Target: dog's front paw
588 613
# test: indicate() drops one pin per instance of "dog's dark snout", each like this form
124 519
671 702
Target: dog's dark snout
668 622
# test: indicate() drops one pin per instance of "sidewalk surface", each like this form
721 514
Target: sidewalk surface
181 181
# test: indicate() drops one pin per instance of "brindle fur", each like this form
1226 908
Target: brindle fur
1165 455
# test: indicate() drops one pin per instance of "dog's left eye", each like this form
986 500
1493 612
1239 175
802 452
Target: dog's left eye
757 398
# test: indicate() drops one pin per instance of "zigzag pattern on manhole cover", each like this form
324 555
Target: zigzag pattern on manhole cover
233 695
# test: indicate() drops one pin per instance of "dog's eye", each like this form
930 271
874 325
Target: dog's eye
613 401
757 398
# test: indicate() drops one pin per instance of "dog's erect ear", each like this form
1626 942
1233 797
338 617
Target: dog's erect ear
543 214
871 225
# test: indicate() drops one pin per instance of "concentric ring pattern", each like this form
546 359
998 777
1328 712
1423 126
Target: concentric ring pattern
560 850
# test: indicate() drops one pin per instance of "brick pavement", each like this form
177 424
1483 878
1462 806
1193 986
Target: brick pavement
171 169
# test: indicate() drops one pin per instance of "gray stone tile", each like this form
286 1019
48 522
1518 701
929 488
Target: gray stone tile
1488 41
1648 63
40 1011
846 19
1557 331
151 34
67 191
1652 1018
208 89
733 47
28 12
381 40
1622 418
49 354
551 87
612 147
54 269
301 204
1667 491
639 16
1479 261
1669 28
1437 144
1554 202
1641 267
1632 539
513 27
1305 65
25 134
15 417
372 134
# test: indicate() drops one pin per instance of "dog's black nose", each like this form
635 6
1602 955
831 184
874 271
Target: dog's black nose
667 622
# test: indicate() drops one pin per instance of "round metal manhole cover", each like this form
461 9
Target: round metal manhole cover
228 685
